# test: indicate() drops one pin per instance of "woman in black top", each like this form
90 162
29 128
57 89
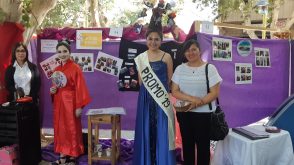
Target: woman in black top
22 73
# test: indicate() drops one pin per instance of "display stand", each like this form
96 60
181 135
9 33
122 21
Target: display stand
19 124
95 121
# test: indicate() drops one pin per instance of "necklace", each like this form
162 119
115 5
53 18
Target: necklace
194 70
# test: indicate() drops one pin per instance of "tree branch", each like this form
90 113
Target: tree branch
275 15
290 22
246 12
38 11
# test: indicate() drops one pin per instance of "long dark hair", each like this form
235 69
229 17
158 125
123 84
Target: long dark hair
17 45
65 43
186 45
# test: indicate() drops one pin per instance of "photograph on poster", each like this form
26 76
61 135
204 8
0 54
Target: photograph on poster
221 49
49 65
108 64
243 73
128 73
262 57
84 60
244 48
89 39
127 83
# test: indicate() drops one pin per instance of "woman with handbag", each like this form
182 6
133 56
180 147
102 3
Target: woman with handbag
189 85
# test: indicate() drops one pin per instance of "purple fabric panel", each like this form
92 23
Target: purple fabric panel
33 43
128 33
248 103
191 32
102 88
243 104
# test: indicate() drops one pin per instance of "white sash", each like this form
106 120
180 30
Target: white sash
158 92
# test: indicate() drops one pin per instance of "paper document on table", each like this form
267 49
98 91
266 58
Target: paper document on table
251 133
112 110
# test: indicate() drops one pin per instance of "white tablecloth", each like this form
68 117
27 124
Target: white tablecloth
238 150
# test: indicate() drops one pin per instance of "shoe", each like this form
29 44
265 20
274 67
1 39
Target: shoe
70 159
61 160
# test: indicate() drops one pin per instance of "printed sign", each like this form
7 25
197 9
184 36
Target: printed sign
89 39
48 46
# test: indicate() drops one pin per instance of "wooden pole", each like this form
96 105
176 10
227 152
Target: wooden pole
264 20
197 25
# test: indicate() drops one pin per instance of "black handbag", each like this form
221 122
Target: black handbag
219 128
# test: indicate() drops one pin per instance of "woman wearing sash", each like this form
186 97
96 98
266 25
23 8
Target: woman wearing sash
154 133
189 84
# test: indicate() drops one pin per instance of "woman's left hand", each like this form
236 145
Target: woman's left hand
78 112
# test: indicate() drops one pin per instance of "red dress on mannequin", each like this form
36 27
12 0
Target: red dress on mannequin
67 127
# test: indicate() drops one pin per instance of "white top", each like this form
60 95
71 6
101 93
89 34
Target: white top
192 81
22 77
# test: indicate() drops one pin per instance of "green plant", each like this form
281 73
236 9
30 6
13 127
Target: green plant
2 16
26 12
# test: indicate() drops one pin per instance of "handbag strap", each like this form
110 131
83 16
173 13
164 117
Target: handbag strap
207 85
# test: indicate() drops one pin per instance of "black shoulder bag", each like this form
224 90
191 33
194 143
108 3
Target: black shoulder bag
219 128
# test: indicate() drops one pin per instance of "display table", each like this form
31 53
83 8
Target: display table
236 149
95 121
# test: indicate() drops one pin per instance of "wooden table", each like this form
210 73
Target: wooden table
95 121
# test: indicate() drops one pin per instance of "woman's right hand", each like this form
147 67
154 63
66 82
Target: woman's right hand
53 90
197 102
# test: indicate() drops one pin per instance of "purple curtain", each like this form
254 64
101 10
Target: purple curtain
248 103
243 104
129 33
102 87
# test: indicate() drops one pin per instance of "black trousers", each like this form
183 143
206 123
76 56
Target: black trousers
194 129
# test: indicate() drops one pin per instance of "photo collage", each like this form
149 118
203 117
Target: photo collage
262 57
222 49
128 75
128 71
108 64
49 65
84 60
243 73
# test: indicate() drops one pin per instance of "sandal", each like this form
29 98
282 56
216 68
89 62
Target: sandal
70 159
61 160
